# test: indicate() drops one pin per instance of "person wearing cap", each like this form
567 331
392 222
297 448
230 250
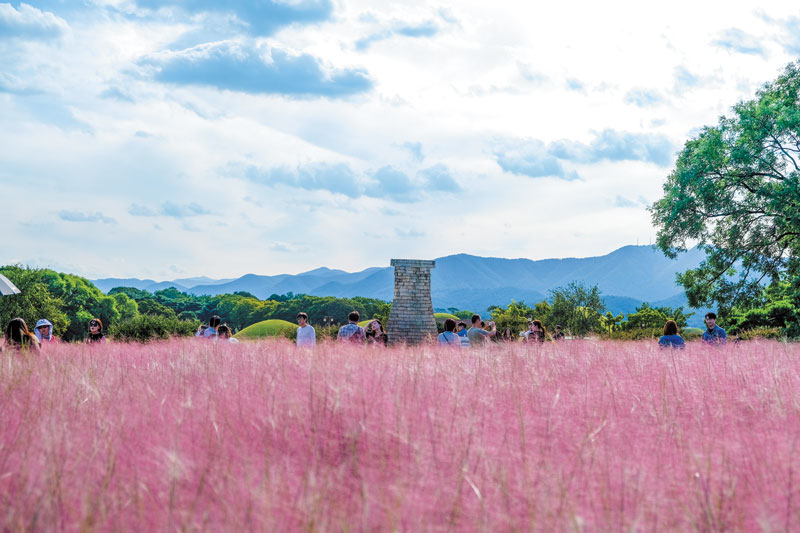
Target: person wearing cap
44 331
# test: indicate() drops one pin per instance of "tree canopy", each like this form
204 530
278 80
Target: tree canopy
735 190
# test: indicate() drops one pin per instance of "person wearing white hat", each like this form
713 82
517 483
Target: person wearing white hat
44 331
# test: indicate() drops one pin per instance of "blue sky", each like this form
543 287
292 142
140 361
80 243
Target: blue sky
196 137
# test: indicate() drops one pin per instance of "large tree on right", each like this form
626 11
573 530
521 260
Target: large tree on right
735 191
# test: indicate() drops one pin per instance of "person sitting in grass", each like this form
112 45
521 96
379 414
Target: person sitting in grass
96 332
352 331
376 334
671 339
224 334
18 337
211 330
714 334
44 331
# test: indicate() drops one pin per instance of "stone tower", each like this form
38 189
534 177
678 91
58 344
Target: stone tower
411 319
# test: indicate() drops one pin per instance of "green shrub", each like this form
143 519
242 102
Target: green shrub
146 328
760 333
634 334
691 333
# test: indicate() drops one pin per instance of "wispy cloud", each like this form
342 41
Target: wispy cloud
387 182
393 184
169 209
532 158
612 145
576 85
28 22
336 177
408 233
438 178
415 149
79 216
786 32
624 202
229 65
529 157
736 40
262 17
174 210
137 210
428 28
643 97
114 93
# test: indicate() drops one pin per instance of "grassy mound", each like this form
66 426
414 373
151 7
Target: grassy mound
268 328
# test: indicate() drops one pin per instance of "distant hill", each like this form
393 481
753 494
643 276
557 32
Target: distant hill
626 277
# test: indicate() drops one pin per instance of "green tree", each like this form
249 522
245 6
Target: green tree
735 190
151 307
611 322
515 316
128 308
33 303
645 317
131 292
578 308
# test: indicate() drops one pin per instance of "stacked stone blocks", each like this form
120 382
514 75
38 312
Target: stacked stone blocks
411 320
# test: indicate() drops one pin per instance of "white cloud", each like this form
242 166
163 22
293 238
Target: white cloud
28 22
87 135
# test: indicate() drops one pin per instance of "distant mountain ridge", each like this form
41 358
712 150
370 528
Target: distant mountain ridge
626 277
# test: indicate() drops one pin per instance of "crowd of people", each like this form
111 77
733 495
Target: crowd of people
18 336
457 334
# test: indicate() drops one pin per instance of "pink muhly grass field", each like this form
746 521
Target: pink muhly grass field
190 435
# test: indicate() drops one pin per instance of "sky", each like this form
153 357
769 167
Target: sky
177 138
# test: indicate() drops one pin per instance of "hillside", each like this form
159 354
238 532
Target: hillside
626 277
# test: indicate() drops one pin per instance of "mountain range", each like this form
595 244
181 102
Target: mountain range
626 277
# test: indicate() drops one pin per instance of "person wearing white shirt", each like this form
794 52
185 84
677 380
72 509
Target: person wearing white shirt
306 336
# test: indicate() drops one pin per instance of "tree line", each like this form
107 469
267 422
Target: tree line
70 302
580 310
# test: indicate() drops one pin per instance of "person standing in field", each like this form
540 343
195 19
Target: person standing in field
671 339
306 336
19 337
559 334
448 337
44 331
352 331
96 332
477 335
714 334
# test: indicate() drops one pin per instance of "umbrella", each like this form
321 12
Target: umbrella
6 287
